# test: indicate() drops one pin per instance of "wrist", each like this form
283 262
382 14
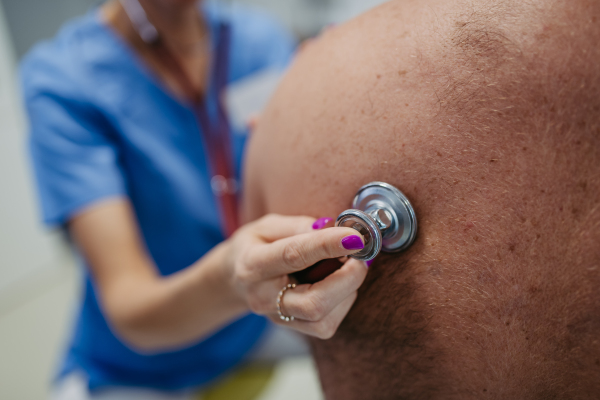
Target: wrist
223 266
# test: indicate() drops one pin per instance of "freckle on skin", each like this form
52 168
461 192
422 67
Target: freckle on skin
533 289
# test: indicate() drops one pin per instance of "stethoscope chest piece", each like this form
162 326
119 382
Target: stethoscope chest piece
384 217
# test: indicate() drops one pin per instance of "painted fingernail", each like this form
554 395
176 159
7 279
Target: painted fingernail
369 263
352 243
321 222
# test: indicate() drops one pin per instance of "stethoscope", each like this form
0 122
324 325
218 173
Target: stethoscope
384 217
216 134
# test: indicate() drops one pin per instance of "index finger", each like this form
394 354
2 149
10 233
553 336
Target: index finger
273 227
296 253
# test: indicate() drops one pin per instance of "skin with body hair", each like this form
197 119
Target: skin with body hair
486 114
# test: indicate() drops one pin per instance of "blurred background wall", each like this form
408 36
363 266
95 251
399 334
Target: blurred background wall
32 20
39 282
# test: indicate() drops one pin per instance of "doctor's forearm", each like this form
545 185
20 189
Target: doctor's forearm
148 311
171 312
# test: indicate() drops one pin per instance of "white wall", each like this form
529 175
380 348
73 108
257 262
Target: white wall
26 250
307 17
33 20
37 281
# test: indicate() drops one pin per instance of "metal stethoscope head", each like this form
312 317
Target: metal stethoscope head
384 217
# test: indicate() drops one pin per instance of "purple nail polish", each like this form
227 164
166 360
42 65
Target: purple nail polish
321 222
352 243
369 263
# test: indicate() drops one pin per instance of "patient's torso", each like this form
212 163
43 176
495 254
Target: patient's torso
498 295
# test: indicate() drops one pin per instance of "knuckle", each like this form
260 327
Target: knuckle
256 305
243 235
325 329
313 309
245 274
248 266
293 254
270 219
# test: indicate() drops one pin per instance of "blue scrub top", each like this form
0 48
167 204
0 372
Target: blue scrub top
102 125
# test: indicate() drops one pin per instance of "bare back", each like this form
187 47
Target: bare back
487 116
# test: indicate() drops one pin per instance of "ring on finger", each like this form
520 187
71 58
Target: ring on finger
286 318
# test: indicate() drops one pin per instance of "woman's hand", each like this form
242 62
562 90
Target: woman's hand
262 254
155 313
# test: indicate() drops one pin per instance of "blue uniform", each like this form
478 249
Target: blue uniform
102 125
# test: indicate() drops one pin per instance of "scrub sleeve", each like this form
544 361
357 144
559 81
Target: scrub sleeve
74 158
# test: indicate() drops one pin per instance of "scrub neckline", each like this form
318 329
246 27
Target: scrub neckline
137 62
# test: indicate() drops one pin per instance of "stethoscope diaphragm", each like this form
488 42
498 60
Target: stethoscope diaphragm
384 217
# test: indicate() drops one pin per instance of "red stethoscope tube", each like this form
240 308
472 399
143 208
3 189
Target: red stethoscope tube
216 135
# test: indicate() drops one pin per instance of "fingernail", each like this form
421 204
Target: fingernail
321 222
369 263
352 243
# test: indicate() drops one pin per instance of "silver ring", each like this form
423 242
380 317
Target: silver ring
286 318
